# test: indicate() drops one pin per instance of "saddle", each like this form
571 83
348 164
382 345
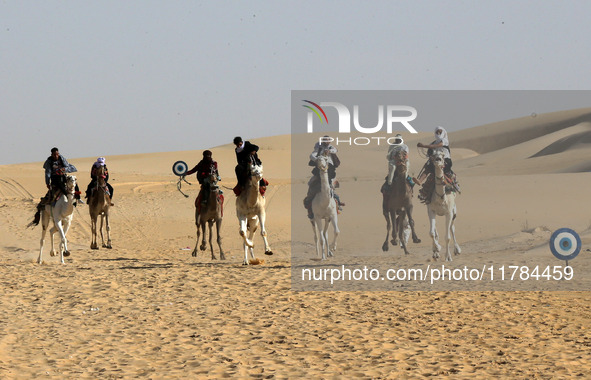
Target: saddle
263 183
451 186
94 189
219 199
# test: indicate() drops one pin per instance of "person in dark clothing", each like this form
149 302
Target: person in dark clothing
206 168
56 166
93 177
246 154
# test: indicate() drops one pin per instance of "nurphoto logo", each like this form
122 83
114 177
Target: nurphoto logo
393 115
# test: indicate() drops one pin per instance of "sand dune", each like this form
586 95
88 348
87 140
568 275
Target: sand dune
495 136
579 140
147 308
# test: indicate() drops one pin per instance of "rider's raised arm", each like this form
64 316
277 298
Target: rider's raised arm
69 168
192 170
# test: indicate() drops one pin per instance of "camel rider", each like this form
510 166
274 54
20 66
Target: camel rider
246 154
397 151
206 168
56 166
314 183
439 145
93 178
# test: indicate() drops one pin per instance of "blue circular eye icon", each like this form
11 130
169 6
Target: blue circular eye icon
565 244
179 168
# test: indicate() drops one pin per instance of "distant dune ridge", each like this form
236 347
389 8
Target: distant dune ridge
147 308
495 136
581 140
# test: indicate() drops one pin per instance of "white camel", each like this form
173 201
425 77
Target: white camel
250 210
61 214
442 203
325 209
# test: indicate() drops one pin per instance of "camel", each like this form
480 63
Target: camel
325 209
209 214
61 213
442 203
250 209
397 207
99 202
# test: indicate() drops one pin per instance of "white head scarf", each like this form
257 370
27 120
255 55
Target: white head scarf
100 162
442 139
443 135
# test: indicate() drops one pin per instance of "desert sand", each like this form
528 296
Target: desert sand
147 308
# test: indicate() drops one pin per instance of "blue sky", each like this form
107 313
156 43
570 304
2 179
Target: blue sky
123 77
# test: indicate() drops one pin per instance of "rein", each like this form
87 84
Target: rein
441 182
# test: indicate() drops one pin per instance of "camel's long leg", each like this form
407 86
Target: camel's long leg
243 219
394 217
66 223
411 222
243 226
448 223
262 218
64 243
101 230
198 233
44 225
52 232
218 227
433 233
93 222
210 225
400 223
335 225
318 237
252 227
108 225
203 245
457 249
325 239
388 227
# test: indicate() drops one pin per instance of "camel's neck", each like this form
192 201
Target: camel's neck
400 181
252 191
69 204
212 202
324 185
439 192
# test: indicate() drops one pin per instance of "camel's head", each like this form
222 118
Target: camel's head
256 171
70 183
438 160
213 179
400 160
322 162
100 174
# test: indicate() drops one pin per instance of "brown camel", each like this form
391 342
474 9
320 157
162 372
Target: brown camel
209 213
99 202
396 206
